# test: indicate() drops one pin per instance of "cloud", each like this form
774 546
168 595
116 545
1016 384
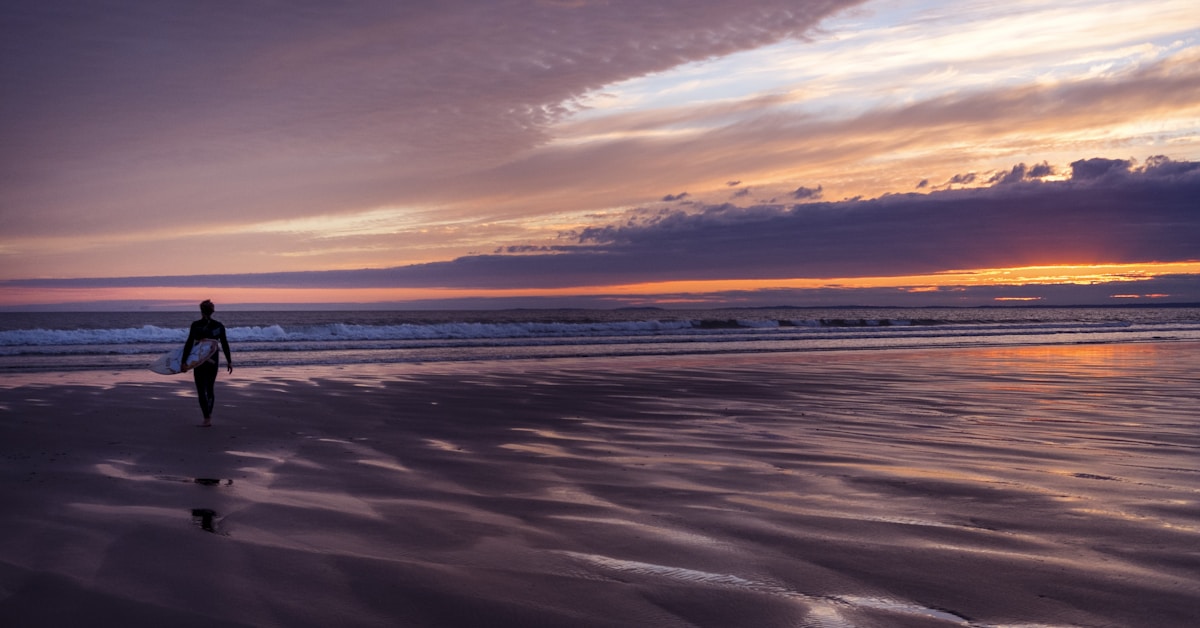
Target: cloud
962 179
1095 168
807 194
950 127
178 113
1146 215
674 197
1021 172
1155 166
1163 166
1041 171
1143 217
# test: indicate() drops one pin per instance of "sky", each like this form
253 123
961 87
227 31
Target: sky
599 153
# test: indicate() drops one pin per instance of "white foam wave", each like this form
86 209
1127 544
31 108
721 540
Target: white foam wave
306 339
338 331
485 331
36 337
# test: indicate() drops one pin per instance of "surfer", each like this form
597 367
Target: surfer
205 373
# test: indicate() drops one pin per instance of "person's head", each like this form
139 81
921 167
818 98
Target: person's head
207 308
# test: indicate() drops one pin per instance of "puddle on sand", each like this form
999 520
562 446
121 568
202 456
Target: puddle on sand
213 482
187 480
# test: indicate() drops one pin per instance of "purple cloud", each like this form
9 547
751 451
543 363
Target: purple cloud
808 194
962 179
1086 169
1016 175
1163 166
1146 215
1040 171
175 112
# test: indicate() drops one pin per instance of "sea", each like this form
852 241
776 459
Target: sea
81 341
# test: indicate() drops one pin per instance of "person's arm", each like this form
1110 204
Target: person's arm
187 349
225 348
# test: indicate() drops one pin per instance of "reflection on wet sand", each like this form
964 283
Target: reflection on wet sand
204 517
984 487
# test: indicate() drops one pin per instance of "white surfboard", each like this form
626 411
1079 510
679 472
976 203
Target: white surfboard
168 363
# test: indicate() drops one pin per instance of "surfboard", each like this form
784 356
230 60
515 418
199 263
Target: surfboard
169 363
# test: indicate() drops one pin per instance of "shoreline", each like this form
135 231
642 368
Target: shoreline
1046 484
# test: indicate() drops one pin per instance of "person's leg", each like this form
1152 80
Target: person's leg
206 379
199 378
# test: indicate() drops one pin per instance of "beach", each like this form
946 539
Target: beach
991 486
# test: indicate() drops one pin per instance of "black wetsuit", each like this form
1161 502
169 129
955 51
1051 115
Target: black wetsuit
205 373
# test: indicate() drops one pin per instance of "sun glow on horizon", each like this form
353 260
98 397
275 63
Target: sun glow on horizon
664 293
1024 276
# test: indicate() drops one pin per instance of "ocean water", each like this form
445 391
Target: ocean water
71 341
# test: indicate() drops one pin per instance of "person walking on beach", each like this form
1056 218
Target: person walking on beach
205 373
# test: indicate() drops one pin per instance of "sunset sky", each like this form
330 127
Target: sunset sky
607 153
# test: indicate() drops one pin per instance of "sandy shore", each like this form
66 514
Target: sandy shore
1049 486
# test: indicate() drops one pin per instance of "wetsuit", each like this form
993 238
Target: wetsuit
205 373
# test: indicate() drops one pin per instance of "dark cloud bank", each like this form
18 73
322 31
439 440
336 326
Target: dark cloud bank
1109 211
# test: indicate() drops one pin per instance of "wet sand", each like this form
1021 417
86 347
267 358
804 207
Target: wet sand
1038 486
